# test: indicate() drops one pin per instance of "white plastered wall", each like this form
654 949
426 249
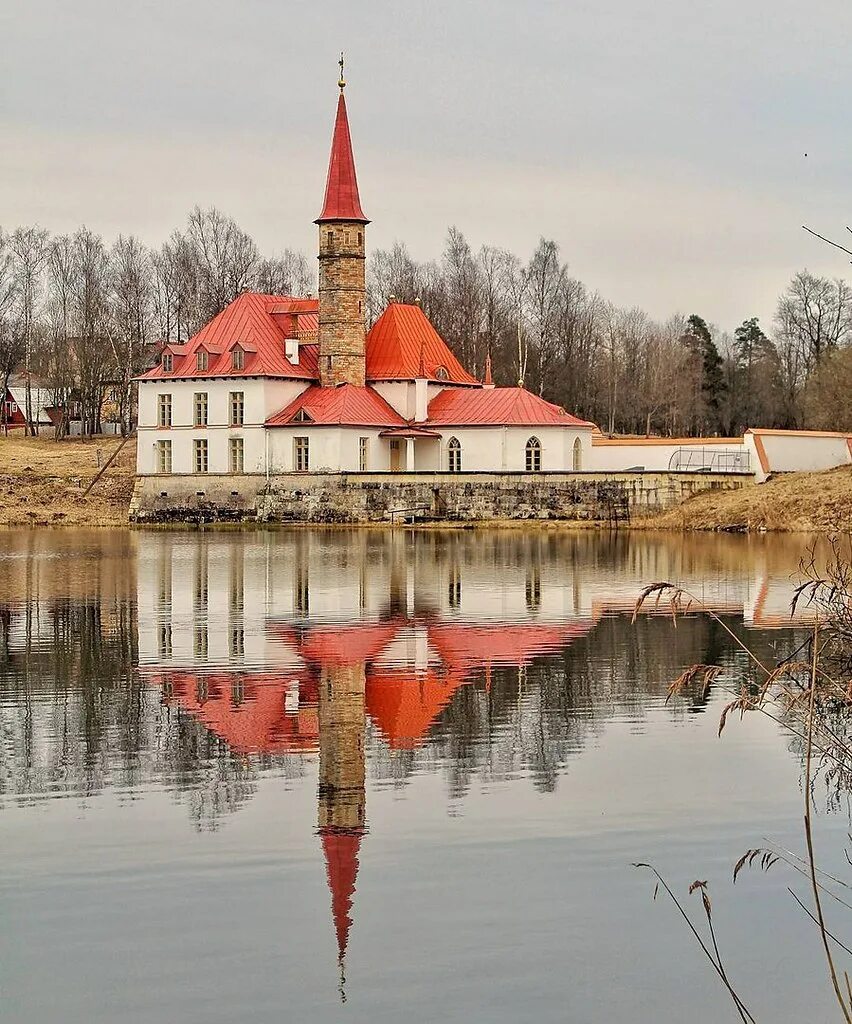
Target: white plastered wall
796 451
262 398
618 456
331 449
503 449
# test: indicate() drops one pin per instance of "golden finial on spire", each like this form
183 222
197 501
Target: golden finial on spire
341 81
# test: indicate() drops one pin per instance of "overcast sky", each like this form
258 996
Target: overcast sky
662 144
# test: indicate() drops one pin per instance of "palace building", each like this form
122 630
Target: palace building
279 385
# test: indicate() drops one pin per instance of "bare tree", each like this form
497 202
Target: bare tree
814 317
30 251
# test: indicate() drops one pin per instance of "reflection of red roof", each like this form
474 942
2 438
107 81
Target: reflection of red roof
347 645
259 325
259 721
341 188
469 647
404 703
400 339
496 407
340 847
344 405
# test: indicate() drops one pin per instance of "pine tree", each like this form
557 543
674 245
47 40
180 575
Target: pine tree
710 383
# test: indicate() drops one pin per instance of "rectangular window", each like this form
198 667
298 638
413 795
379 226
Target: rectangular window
237 405
200 456
168 362
237 452
200 409
201 359
237 358
164 456
301 458
363 453
164 411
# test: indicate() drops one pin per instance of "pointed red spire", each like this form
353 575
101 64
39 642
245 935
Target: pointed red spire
341 861
488 382
341 188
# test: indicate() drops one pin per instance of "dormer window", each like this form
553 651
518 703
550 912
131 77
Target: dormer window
168 362
302 417
238 358
441 373
201 359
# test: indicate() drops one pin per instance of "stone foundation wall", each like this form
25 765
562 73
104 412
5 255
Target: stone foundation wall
403 497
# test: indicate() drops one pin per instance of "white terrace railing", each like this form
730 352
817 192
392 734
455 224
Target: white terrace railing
712 459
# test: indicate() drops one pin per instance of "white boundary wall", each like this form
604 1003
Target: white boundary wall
793 451
767 451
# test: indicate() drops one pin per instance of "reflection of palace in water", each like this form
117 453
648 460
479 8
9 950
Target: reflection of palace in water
204 656
297 643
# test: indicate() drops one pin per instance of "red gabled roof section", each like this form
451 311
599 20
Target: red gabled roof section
345 405
341 188
259 324
403 345
487 407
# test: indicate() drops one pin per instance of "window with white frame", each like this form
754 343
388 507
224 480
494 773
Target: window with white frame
200 449
238 360
199 404
201 359
237 454
164 410
237 405
164 456
301 454
533 455
363 453
454 455
168 362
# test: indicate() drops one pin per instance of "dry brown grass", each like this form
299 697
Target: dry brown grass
793 502
42 481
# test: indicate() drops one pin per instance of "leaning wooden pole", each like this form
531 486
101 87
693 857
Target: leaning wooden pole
107 464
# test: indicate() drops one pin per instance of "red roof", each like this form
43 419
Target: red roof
345 405
259 324
341 187
400 339
497 407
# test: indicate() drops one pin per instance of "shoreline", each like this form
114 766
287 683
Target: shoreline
42 483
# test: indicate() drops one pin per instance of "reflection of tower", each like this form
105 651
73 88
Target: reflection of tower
342 801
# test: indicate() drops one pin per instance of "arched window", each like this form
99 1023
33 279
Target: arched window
441 373
578 455
533 455
454 453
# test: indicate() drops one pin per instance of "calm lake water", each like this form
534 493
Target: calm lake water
374 776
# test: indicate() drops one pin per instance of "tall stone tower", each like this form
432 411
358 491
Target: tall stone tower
342 287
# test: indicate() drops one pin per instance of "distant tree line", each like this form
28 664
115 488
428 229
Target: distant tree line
83 318
619 367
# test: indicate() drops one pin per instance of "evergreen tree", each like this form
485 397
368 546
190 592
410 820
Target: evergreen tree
709 377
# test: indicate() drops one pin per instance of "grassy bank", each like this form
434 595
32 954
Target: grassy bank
42 481
807 502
